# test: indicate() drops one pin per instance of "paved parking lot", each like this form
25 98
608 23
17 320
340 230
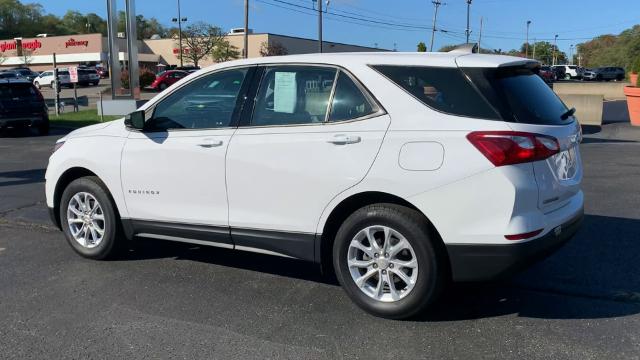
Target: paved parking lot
167 300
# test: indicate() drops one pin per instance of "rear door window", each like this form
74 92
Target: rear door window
443 89
349 102
519 95
17 91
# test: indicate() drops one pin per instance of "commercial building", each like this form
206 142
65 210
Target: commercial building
92 49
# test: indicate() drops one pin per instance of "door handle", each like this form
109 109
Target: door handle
209 143
342 139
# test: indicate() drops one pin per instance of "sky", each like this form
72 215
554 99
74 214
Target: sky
399 24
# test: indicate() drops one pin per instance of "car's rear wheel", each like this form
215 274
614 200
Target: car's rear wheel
386 259
89 219
162 86
37 85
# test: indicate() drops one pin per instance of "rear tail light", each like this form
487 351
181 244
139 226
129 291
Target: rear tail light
523 235
513 147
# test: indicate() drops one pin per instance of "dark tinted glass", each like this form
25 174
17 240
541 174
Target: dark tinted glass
208 102
444 89
519 95
348 101
293 95
12 91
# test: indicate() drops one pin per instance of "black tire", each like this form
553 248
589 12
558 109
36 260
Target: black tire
37 85
599 77
432 269
43 128
162 86
112 238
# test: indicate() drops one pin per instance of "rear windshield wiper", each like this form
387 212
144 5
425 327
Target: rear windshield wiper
568 113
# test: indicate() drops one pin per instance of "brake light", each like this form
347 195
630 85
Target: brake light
513 147
524 235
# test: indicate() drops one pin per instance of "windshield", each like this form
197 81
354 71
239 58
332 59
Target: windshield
519 95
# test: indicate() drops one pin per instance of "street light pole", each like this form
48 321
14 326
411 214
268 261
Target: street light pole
179 20
555 47
571 54
468 31
437 4
320 26
526 45
246 29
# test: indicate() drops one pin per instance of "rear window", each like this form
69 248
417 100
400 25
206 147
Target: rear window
63 72
443 89
11 91
519 95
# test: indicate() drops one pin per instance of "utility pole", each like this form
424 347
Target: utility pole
320 23
246 29
555 47
437 4
480 37
571 54
534 49
57 83
526 45
468 31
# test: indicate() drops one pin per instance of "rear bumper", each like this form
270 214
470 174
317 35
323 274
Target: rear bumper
472 262
22 121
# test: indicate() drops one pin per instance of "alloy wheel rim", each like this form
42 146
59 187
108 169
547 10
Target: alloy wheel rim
382 263
86 220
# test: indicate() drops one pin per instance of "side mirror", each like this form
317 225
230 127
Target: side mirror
135 120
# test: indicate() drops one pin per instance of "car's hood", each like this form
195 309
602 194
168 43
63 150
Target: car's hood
108 128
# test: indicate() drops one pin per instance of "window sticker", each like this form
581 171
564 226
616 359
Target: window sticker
285 92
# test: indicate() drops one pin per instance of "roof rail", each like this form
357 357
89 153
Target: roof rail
465 49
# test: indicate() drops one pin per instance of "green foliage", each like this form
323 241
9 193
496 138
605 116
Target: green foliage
224 52
621 50
28 20
422 47
635 66
147 77
543 51
79 119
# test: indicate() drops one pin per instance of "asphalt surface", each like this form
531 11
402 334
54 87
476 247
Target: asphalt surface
168 300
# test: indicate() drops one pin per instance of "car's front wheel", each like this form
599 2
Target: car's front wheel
89 219
37 85
386 259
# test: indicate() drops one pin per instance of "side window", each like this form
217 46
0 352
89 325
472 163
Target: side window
443 89
207 102
348 101
293 95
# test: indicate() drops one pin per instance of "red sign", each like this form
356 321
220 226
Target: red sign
73 74
74 42
30 45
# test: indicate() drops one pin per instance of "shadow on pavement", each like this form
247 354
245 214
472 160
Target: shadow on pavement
601 140
22 177
593 276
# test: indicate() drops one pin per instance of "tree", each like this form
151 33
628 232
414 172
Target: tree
422 47
447 48
199 40
611 50
225 52
543 52
273 49
26 58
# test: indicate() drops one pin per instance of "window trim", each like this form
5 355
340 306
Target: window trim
245 123
249 77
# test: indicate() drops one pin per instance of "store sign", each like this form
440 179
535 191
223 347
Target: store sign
29 45
74 42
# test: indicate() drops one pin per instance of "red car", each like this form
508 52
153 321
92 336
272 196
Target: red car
167 78
547 74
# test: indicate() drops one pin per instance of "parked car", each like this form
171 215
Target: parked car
399 171
22 105
103 72
88 77
26 73
9 75
589 74
559 72
609 73
167 78
570 71
47 79
547 74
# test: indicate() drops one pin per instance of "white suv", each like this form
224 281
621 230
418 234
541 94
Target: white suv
401 171
47 78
